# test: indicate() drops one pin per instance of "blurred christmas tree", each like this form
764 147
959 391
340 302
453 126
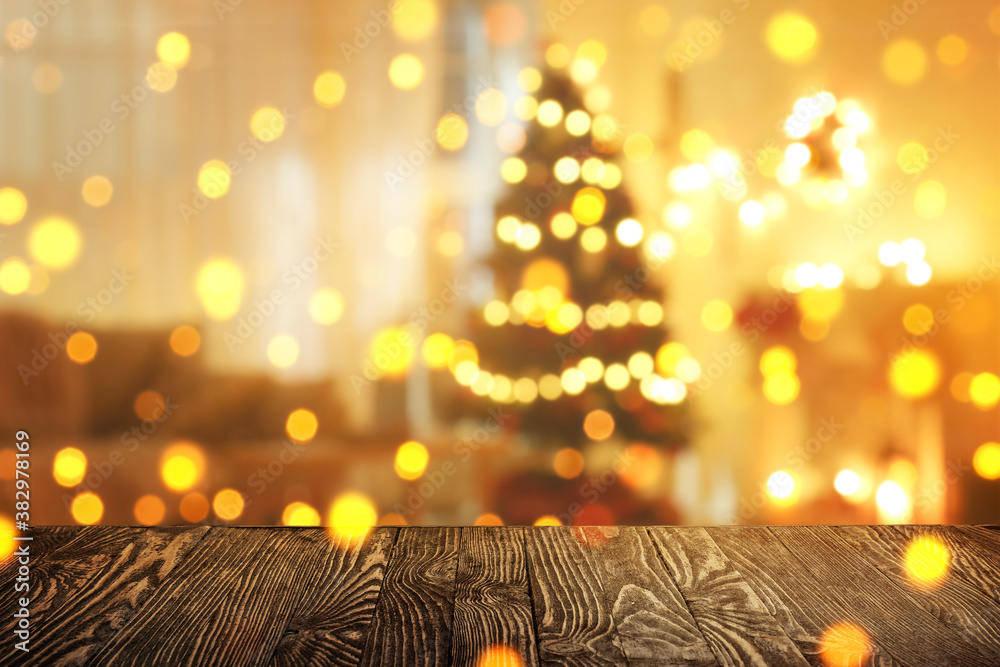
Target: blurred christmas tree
574 341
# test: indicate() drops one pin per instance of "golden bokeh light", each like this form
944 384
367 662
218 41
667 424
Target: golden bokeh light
47 78
185 340
952 50
174 49
783 488
491 107
568 463
7 542
194 508
182 465
918 319
149 510
15 276
558 55
792 37
392 351
228 504
438 347
149 405
593 239
301 425
844 645
577 122
97 191
161 77
500 655
914 374
547 520
69 466
927 561
598 425
777 359
214 179
781 387
452 132
984 390
893 502
87 508
267 124
283 351
654 20
529 79
406 71
329 89
629 232
326 306
912 157
488 519
549 113
298 513
698 241
986 461
930 200
55 243
352 515
513 170
414 20
81 347
716 315
588 206
904 61
411 460
638 147
13 206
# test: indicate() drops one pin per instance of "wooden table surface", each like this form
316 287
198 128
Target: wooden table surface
197 595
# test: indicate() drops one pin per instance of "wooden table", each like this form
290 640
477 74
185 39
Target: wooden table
571 596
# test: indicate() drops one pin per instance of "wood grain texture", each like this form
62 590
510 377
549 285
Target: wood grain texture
331 624
85 590
793 597
889 615
956 603
43 542
572 624
238 592
651 620
492 599
735 622
413 616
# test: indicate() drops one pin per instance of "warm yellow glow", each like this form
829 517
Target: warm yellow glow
329 89
588 206
716 315
194 507
491 107
927 561
267 124
549 113
15 276
149 510
669 355
986 461
654 20
904 61
392 350
638 147
97 191
930 199
411 460
568 463
781 388
752 213
525 390
566 170
87 508
577 123
54 242
558 55
698 241
7 543
20 33
283 351
629 232
593 239
228 504
696 143
893 501
528 236
406 71
547 520
488 519
174 49
912 157
413 20
69 466
326 306
353 511
529 79
984 390
918 319
450 243
436 350
777 359
792 37
649 313
617 377
821 304
181 466
47 78
573 381
81 347
525 107
847 483
952 50
463 351
13 206
640 364
161 77
149 405
392 519
914 374
214 179
298 513
844 645
501 655
513 170
452 132
612 177
301 425
220 288
783 488
598 425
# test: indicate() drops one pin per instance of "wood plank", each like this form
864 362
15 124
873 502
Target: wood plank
84 591
230 605
492 599
413 616
912 634
737 625
572 624
653 623
976 561
793 597
331 624
45 540
959 605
